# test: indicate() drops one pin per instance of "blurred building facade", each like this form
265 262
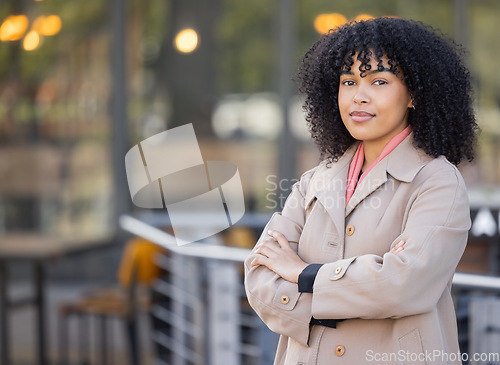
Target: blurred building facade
78 78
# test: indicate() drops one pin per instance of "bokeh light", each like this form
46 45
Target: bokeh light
31 41
186 40
13 28
324 22
250 116
361 17
47 25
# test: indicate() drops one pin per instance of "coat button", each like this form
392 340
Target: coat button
285 299
339 350
349 230
338 270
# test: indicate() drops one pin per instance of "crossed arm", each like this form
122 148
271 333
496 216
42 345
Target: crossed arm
277 255
429 248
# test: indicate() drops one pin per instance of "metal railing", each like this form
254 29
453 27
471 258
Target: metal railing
207 317
476 282
200 314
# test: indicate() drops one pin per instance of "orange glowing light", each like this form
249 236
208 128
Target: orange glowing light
37 23
361 17
13 28
324 22
186 40
31 41
47 25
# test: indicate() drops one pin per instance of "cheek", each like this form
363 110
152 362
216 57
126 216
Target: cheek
343 101
403 97
403 103
394 101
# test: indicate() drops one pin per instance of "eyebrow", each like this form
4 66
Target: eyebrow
345 72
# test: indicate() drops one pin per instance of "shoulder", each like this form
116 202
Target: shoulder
443 185
439 169
325 167
411 164
305 179
441 192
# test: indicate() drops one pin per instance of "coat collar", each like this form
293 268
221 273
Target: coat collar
328 184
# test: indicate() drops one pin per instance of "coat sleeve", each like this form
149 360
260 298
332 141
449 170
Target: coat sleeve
411 282
277 301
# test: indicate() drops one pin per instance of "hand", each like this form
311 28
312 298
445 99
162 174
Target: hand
398 247
277 255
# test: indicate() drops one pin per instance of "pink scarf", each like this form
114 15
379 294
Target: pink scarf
359 158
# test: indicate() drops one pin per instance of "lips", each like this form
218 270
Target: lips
359 116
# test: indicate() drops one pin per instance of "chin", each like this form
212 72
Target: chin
359 135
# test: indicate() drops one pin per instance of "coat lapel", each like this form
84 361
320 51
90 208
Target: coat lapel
403 164
375 178
328 185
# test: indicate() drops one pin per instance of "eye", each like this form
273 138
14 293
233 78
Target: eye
348 83
380 82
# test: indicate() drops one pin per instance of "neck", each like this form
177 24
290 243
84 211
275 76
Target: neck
371 151
374 148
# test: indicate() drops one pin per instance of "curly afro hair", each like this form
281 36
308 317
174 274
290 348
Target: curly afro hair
443 120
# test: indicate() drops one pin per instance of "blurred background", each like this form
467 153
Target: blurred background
81 82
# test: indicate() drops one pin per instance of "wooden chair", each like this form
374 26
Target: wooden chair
136 272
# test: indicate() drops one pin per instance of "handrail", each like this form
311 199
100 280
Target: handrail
200 250
235 254
474 281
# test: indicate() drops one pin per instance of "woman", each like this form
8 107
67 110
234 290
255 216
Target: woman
357 267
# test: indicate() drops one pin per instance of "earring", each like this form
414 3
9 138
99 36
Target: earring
412 102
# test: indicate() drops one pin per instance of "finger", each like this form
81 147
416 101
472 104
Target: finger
280 238
262 251
398 250
259 260
272 250
395 250
398 245
269 243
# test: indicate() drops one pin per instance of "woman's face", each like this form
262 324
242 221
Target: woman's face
374 108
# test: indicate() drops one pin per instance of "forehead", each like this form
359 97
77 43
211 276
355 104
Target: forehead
368 57
365 61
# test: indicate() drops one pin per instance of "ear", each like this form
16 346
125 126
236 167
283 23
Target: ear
411 103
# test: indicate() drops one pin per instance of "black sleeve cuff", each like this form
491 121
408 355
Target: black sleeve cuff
307 277
332 323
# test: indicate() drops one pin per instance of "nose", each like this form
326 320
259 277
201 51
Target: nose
361 96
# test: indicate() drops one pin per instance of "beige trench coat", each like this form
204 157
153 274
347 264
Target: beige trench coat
397 309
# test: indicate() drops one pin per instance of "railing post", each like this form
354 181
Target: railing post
223 301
